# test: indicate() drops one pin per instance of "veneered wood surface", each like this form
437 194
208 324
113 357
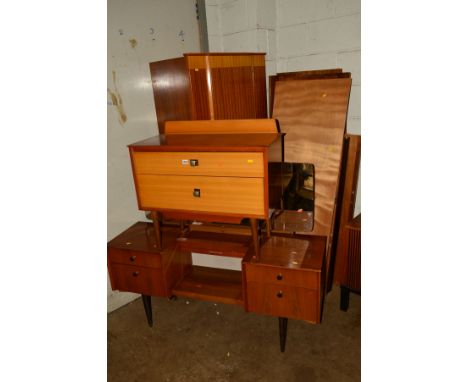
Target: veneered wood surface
135 279
219 194
222 126
136 258
283 276
312 113
347 201
302 75
207 142
242 164
218 244
212 284
297 303
171 89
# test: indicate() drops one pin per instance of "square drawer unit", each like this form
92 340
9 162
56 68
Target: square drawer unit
287 278
211 177
136 264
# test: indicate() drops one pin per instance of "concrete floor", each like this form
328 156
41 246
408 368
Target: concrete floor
202 341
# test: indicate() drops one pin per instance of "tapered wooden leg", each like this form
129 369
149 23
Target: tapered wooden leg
268 228
344 298
147 305
283 331
157 228
254 228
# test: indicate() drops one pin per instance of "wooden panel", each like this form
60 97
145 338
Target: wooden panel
171 88
237 126
200 93
298 303
312 113
238 93
353 279
282 276
302 75
211 284
346 200
136 258
218 194
225 60
213 163
137 279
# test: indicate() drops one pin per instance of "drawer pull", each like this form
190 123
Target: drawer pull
133 258
279 294
279 277
136 273
196 192
193 162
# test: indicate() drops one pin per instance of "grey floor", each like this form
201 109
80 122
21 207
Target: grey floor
202 341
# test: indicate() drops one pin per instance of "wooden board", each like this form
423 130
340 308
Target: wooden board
312 113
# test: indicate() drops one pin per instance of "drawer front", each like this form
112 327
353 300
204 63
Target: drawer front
136 258
199 163
127 278
283 301
281 276
243 196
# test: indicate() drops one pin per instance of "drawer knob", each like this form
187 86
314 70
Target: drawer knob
136 273
133 258
193 162
196 192
279 277
279 294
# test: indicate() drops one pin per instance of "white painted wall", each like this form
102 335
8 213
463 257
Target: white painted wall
138 32
296 35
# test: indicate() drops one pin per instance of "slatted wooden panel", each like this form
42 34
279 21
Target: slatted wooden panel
312 113
354 258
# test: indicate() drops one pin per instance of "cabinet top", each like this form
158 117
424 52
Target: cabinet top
207 142
226 54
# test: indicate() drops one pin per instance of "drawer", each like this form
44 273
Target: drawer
283 301
282 276
207 163
136 258
128 278
241 196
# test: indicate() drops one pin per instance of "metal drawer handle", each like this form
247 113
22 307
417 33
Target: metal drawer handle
136 273
196 192
193 162
279 294
133 258
279 277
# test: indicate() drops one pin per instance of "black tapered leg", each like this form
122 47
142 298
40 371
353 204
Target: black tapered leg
344 298
283 331
147 305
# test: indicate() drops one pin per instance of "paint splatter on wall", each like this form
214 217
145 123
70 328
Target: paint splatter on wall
117 100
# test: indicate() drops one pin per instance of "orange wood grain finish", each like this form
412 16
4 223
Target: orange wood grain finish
312 113
237 126
243 196
243 164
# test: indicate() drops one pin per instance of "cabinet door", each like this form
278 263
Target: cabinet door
238 87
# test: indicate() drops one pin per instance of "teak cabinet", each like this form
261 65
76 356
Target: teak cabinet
209 86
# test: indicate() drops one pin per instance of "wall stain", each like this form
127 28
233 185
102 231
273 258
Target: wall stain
117 100
133 43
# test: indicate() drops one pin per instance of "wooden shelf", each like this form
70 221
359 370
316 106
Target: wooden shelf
212 284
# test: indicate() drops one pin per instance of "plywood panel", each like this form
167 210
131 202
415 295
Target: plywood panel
312 113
